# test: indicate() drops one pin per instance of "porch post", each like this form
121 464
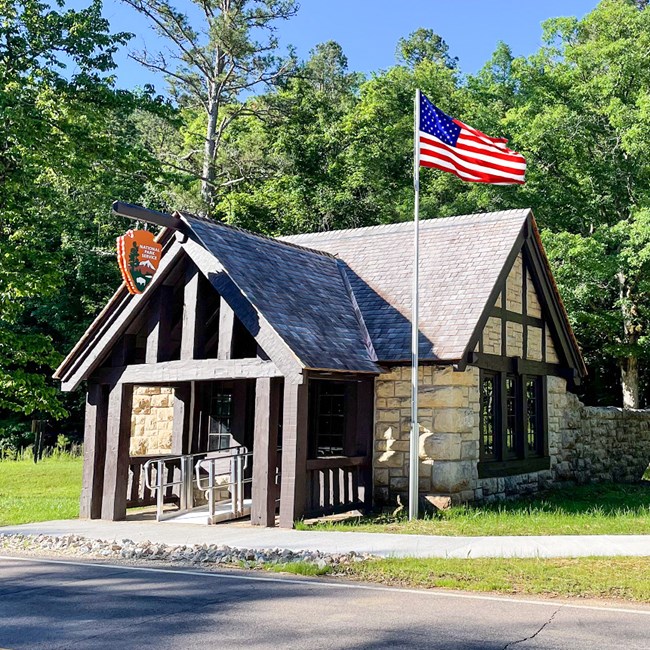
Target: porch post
90 506
116 467
265 452
294 454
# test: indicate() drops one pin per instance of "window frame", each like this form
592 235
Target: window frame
520 459
319 395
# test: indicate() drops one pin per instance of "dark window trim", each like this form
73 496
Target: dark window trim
505 463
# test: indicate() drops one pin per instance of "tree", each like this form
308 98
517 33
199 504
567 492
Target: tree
583 112
210 67
66 142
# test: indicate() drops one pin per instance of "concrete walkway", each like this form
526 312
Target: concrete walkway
242 535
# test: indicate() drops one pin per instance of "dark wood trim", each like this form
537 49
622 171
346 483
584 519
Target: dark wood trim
92 485
265 458
159 326
294 454
498 469
518 365
331 462
172 372
226 330
140 213
192 330
514 317
551 306
499 286
116 467
181 423
524 309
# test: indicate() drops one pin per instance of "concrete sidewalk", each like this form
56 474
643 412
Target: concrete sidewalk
243 535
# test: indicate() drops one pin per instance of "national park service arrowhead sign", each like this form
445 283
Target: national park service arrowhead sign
138 256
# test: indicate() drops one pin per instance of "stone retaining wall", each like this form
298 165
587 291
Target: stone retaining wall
585 443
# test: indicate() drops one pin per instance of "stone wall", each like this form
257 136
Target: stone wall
585 443
448 412
152 421
595 443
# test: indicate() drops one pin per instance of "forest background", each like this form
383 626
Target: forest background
243 131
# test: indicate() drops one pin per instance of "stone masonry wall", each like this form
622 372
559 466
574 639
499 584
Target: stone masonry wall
151 421
585 443
448 412
596 443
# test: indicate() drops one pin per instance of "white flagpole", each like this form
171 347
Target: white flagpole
414 492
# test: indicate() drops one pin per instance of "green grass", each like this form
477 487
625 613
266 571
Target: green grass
300 568
603 509
38 492
624 578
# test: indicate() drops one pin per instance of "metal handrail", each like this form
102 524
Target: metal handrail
161 486
238 457
238 462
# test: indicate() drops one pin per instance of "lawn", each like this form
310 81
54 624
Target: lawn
39 491
624 578
604 509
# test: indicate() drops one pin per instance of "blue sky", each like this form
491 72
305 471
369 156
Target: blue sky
368 30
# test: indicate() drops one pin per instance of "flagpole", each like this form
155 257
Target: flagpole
414 492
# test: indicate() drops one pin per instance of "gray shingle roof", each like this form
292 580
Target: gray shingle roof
460 261
301 293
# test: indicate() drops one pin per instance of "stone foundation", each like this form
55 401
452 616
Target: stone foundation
152 420
585 443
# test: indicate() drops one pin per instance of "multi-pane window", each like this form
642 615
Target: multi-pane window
533 427
220 419
511 415
328 417
489 412
511 422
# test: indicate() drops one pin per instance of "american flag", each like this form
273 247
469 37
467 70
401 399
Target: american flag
450 145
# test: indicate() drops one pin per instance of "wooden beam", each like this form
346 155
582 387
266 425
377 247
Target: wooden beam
172 372
139 213
294 454
90 506
180 424
192 338
116 467
160 321
226 330
265 457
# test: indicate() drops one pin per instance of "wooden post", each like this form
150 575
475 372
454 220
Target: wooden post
181 423
193 318
294 454
265 452
159 325
226 329
90 506
116 467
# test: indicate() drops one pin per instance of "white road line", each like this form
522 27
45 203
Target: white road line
332 585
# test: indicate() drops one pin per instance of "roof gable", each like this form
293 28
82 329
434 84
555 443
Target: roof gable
461 260
302 293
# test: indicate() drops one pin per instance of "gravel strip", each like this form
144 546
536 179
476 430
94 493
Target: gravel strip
203 554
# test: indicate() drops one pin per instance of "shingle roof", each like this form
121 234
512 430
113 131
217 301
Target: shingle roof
302 293
460 261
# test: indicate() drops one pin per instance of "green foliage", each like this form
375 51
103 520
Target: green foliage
69 147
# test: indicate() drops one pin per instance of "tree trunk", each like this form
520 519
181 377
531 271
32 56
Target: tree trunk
630 382
630 363
208 171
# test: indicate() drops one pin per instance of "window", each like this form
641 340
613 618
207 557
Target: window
220 419
512 425
328 417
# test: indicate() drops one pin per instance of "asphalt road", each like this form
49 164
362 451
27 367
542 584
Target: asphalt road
59 604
